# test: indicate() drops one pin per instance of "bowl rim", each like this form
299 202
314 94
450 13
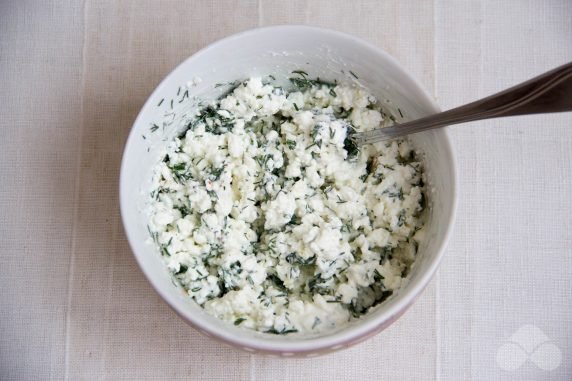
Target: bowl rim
344 337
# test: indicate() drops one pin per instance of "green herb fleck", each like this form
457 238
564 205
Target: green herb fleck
217 172
182 269
396 193
185 95
301 73
179 167
293 259
277 282
377 277
239 320
212 194
401 218
303 83
316 322
284 331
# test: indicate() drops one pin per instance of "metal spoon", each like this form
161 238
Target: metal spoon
549 92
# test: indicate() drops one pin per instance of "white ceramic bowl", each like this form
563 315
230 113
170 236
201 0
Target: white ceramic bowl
278 51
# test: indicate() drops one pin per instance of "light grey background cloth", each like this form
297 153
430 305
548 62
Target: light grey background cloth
75 306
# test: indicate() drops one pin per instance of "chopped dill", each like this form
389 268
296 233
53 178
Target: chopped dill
185 95
302 73
239 320
284 331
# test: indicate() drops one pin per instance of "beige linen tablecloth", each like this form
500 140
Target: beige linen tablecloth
74 305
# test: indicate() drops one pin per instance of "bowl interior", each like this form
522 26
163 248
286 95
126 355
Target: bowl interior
278 51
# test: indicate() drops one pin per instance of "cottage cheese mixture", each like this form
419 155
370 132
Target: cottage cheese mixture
268 222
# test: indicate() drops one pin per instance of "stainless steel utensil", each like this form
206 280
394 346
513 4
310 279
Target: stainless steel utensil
549 92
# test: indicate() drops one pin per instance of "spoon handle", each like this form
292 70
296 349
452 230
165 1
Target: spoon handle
549 92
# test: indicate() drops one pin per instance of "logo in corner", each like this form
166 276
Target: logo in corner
529 343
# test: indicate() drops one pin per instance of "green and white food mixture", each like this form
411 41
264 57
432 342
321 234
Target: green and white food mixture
269 223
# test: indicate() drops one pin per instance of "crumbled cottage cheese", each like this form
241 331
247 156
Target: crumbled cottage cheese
268 222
